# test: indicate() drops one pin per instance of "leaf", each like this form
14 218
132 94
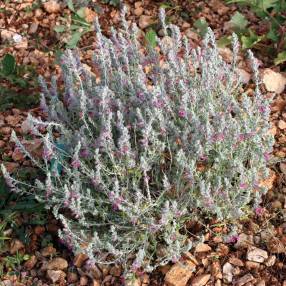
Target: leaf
59 29
224 41
8 64
238 22
202 26
273 35
81 12
281 58
70 5
72 43
251 40
151 38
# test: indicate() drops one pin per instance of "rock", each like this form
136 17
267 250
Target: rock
216 270
5 130
33 28
244 241
72 277
235 261
11 166
138 11
180 273
115 271
57 264
48 251
52 6
191 257
13 119
227 271
133 282
202 247
282 124
256 254
89 15
252 265
244 279
29 264
270 261
145 21
16 245
83 281
276 246
17 155
283 168
245 76
20 42
95 283
274 82
260 283
80 259
95 272
56 275
226 54
7 283
200 280
2 143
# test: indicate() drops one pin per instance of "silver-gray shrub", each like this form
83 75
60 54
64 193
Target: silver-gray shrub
161 137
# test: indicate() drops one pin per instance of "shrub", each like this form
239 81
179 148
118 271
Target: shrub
160 138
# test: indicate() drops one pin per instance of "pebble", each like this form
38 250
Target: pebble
83 281
56 275
29 264
48 251
145 21
227 271
270 261
244 279
33 28
282 124
200 280
16 245
72 277
236 261
52 6
80 259
57 264
256 254
202 247
180 273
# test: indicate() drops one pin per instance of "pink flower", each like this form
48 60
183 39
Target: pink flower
266 156
233 239
259 211
243 186
182 113
75 164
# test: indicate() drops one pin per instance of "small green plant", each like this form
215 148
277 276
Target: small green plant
17 84
273 15
79 26
13 262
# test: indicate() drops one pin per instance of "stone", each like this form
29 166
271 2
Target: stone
30 264
2 143
89 14
282 124
95 283
115 271
56 275
13 119
216 270
227 271
5 130
52 6
270 261
244 241
202 247
244 279
245 76
260 283
133 282
17 155
252 265
95 272
48 251
72 277
180 273
57 264
83 281
235 261
145 21
33 28
200 280
138 11
11 166
16 245
80 259
273 81
256 254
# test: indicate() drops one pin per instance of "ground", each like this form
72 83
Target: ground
32 254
